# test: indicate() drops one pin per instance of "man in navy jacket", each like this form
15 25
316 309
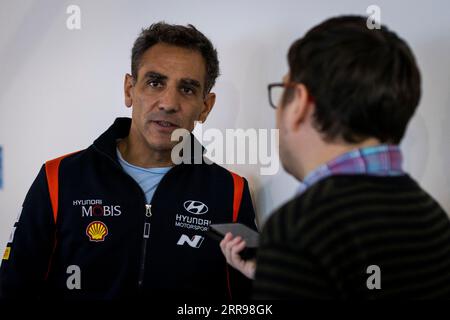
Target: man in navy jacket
120 219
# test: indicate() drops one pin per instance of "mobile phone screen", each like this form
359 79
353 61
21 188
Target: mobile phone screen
250 236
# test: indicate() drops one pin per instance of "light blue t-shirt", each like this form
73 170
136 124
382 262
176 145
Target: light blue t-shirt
147 178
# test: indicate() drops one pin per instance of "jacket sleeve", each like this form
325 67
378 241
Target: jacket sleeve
287 270
30 245
241 286
246 211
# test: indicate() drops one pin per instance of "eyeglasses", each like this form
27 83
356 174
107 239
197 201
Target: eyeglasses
276 92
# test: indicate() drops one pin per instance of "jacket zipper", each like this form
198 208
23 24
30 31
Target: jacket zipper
148 214
145 237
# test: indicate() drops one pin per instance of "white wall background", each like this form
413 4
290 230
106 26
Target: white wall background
60 88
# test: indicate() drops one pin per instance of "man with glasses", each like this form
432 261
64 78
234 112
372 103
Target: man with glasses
363 228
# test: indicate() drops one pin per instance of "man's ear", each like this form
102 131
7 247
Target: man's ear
302 106
208 104
128 85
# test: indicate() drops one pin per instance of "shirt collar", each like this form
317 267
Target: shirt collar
380 160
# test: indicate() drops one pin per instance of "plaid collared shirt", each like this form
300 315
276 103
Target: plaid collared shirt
381 160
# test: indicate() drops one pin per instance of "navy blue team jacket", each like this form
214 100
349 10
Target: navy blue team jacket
86 232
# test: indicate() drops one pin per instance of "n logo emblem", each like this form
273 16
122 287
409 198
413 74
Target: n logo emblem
194 242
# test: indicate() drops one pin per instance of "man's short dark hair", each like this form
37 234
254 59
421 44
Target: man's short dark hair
365 83
181 36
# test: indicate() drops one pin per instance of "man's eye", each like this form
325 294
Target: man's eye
154 84
188 91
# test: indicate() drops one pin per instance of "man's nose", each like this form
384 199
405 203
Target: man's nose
169 100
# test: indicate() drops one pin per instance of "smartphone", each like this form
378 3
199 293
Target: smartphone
251 237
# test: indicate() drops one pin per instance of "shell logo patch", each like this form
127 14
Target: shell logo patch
96 231
6 254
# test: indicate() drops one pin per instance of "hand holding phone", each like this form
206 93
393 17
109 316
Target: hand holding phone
232 248
250 236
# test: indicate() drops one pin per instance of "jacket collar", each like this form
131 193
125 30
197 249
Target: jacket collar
107 142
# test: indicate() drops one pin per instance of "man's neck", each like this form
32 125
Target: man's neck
141 155
329 151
